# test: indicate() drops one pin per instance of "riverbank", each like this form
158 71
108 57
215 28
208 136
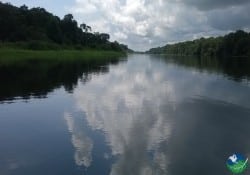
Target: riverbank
234 44
17 55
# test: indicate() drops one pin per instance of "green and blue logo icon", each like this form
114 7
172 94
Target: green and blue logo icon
237 163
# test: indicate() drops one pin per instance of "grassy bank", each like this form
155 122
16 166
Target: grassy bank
8 56
26 73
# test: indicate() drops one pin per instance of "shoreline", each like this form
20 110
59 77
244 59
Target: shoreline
19 55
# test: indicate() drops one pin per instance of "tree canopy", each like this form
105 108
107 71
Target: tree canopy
232 44
21 24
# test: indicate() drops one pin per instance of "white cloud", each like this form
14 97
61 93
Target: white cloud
88 8
120 36
146 24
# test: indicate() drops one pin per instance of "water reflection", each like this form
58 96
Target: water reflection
148 115
235 68
156 117
82 143
117 101
121 105
205 133
35 78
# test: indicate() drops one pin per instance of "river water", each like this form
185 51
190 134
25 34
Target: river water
143 115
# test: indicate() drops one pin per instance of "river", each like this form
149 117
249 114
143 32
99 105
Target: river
142 115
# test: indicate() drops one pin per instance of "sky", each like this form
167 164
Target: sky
143 24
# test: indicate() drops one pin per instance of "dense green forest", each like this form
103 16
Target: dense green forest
232 44
37 29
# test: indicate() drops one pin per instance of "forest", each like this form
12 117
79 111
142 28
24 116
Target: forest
38 29
233 44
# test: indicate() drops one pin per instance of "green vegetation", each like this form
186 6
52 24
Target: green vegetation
40 52
233 44
26 78
9 56
37 29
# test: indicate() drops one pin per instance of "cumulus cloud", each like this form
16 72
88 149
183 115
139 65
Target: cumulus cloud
120 36
143 24
138 23
213 4
232 18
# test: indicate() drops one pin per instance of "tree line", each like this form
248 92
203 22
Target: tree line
37 28
233 44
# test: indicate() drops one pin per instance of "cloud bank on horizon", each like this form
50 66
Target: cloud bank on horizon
143 24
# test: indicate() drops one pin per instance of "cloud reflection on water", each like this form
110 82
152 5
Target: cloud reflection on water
128 106
139 106
82 143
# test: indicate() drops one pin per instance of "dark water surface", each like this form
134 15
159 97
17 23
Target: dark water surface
146 115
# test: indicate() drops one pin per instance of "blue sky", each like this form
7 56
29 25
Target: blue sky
143 24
